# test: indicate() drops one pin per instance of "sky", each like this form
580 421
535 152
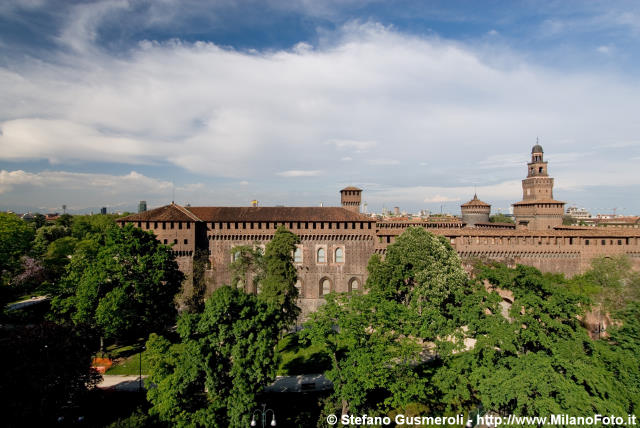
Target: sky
419 103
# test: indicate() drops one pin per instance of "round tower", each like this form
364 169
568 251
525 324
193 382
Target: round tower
350 198
475 211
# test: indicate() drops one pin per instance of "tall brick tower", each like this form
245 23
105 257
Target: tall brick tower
538 210
350 198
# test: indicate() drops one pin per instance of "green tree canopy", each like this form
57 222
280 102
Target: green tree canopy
85 225
224 357
16 238
501 218
536 359
278 288
421 271
122 284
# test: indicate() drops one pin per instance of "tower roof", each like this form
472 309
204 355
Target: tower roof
351 188
475 202
537 149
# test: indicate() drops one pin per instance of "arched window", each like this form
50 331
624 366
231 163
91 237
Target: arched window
325 286
339 255
297 255
322 255
299 287
354 284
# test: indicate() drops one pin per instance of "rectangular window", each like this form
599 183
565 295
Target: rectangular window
171 225
139 224
180 225
175 241
321 225
155 224
186 241
188 225
603 242
165 242
164 225
586 242
619 241
314 224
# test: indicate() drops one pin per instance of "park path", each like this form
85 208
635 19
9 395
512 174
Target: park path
300 383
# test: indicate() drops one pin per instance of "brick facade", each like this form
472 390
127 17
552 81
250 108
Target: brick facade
337 242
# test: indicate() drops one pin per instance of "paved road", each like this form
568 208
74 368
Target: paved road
27 302
301 383
128 383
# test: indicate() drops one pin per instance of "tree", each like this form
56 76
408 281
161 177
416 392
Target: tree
64 220
46 235
45 367
618 283
422 271
278 288
224 358
372 360
16 237
247 268
380 341
538 360
501 218
122 285
85 225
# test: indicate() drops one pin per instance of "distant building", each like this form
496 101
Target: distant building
103 210
142 206
578 213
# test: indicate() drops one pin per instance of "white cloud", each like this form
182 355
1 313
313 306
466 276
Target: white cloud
604 49
383 162
299 173
398 98
356 146
440 198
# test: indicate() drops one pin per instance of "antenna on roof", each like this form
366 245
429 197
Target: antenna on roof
173 192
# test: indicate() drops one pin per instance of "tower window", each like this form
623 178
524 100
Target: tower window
297 255
322 255
339 256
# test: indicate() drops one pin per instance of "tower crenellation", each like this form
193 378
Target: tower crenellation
350 198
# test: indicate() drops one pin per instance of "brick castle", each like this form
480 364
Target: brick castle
337 242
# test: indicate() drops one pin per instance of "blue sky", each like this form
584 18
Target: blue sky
105 103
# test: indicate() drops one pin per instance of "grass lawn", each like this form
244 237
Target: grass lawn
126 359
297 357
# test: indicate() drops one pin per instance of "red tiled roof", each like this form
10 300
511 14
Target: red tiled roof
475 202
209 214
351 188
171 212
277 214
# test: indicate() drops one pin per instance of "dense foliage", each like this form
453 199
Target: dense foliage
122 284
224 357
429 339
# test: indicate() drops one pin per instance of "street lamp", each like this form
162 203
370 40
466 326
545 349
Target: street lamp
262 414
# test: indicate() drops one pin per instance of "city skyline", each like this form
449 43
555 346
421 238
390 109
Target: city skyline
108 103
